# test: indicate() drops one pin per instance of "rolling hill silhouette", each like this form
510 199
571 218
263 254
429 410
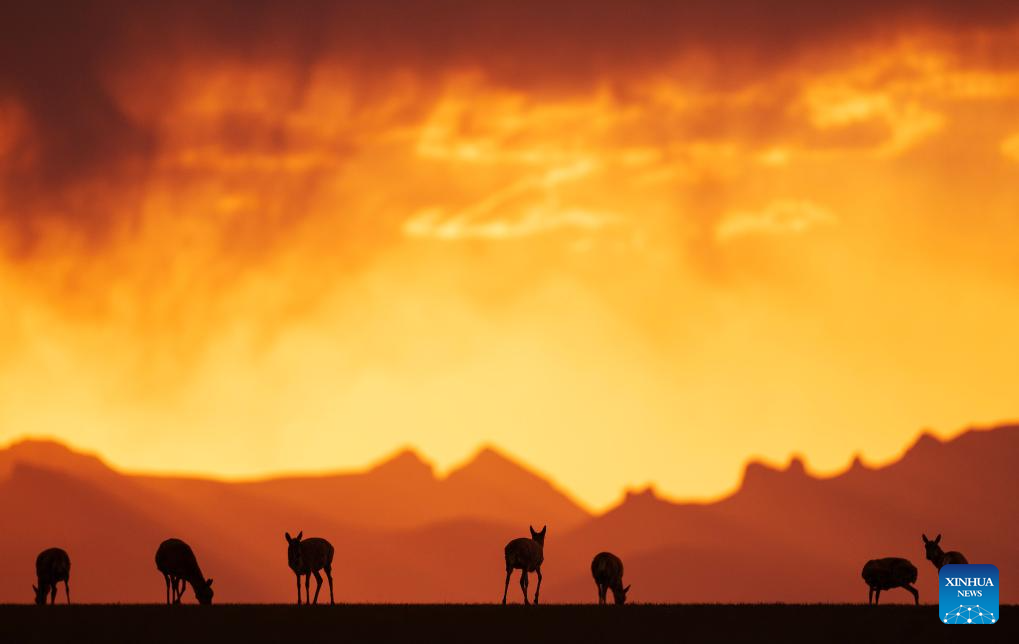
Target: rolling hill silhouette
783 536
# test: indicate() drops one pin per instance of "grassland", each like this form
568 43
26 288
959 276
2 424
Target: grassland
484 623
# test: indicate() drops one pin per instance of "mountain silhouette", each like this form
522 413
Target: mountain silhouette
784 535
388 514
52 455
493 487
404 492
794 537
111 543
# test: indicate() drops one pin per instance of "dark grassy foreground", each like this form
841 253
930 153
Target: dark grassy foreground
485 623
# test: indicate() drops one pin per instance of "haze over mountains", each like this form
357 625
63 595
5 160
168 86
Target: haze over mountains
402 534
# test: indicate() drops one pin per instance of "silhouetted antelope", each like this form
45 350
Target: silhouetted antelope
306 558
527 555
888 573
607 570
177 562
939 557
52 566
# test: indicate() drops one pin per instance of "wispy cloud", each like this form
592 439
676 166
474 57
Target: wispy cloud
780 217
528 206
440 225
841 106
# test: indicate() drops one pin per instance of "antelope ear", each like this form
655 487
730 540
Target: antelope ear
299 535
534 532
937 539
544 529
626 590
925 539
289 538
208 582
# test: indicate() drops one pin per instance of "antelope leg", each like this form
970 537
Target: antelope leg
329 576
318 585
509 571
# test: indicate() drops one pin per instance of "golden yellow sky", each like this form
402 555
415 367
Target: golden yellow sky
624 260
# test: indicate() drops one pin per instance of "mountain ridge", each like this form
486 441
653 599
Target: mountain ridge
789 535
51 452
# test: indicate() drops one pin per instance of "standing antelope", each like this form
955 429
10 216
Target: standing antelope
306 558
527 555
888 573
607 570
52 566
177 562
939 557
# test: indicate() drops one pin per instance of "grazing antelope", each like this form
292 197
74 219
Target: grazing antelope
888 573
607 570
527 555
306 557
52 566
939 557
177 562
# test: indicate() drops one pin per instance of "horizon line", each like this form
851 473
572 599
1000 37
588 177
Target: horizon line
443 474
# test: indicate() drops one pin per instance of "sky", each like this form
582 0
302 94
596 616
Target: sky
628 243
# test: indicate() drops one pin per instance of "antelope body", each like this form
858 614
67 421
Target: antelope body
177 562
306 557
52 566
607 570
888 573
527 555
939 557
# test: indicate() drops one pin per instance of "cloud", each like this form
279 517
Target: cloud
77 75
529 206
780 217
907 122
372 122
437 224
62 67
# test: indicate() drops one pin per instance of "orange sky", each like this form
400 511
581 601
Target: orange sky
625 245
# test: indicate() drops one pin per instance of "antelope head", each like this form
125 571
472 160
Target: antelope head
934 551
295 554
539 536
620 596
204 592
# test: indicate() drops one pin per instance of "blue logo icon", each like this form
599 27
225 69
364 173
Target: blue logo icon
968 594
